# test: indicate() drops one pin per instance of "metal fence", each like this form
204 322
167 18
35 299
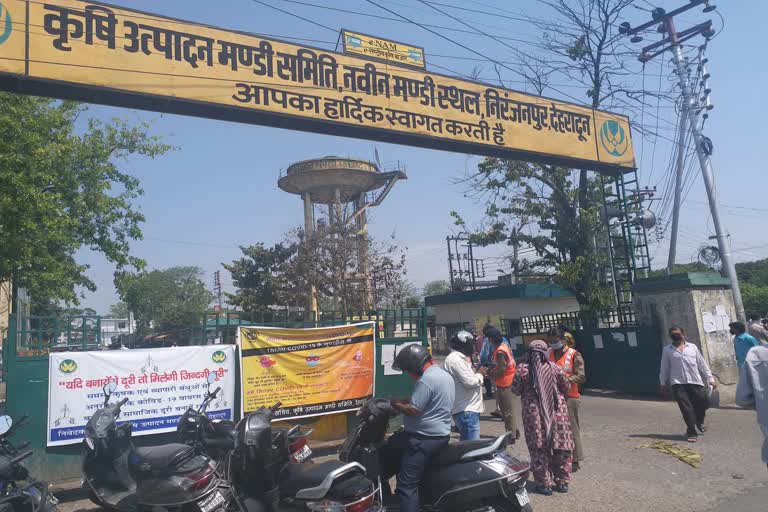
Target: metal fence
578 320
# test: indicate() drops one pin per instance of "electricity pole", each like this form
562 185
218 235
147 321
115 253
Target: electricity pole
217 286
673 40
678 187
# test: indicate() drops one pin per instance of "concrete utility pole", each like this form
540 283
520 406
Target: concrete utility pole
673 40
678 186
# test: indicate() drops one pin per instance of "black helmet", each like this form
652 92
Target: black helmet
462 341
411 359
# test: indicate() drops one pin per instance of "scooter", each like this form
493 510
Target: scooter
119 476
19 492
258 461
217 437
469 476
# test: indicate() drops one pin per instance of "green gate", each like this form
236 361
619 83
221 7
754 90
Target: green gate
31 339
619 354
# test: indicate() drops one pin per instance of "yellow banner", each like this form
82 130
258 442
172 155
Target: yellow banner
311 371
383 49
105 54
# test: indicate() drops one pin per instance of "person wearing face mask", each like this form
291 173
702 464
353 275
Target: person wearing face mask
468 402
572 364
682 368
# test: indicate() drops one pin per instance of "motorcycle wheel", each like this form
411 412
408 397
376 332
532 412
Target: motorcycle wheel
501 504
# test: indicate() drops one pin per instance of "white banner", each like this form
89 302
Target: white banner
160 384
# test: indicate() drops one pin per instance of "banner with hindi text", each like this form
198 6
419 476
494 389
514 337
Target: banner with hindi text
311 371
160 384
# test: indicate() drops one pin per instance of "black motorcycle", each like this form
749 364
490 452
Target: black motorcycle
119 476
261 465
19 492
469 476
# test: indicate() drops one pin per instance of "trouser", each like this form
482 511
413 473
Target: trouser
764 428
468 425
509 406
551 468
417 451
574 405
692 400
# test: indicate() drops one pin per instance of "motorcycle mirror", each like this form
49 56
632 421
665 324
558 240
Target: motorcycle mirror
6 422
212 378
109 387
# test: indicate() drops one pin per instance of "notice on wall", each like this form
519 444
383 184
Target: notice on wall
160 384
311 371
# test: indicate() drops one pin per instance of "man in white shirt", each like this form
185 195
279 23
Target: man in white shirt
468 403
684 368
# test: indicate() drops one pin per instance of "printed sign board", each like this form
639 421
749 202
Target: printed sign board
106 54
383 49
160 385
311 371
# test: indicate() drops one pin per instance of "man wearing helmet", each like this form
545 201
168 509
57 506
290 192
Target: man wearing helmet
426 418
468 404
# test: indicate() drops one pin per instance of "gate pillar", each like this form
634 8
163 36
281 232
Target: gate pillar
702 304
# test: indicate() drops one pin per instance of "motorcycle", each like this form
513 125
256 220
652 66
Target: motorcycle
264 470
19 492
218 436
469 476
125 478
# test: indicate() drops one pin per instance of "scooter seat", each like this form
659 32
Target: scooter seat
453 452
158 459
303 476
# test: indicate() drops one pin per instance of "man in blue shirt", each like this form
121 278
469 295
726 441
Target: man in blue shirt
427 421
742 342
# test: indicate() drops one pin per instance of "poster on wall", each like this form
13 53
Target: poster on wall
311 371
160 385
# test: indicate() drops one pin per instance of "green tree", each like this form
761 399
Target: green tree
538 206
439 287
119 310
256 275
61 189
753 272
755 299
165 300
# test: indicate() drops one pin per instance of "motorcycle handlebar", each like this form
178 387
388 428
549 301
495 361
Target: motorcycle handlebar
276 406
215 392
21 457
122 402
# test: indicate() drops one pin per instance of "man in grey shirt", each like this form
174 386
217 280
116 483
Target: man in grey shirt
682 367
427 421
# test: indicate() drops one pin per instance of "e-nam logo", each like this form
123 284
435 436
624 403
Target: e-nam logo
6 23
613 138
68 366
354 42
219 357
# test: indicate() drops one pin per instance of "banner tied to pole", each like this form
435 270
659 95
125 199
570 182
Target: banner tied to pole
160 384
311 371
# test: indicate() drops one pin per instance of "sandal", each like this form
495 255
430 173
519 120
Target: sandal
546 491
692 439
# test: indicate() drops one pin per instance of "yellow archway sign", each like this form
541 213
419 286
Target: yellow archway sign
105 54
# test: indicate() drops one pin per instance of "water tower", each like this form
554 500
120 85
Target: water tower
347 187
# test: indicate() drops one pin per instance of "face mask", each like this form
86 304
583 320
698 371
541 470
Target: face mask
676 338
556 345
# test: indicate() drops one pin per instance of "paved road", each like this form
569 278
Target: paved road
618 475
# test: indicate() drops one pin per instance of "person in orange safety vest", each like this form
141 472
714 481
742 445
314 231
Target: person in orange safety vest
572 363
503 373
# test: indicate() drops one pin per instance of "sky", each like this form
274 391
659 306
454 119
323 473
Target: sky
218 189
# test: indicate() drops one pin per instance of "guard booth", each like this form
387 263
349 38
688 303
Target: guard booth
32 338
